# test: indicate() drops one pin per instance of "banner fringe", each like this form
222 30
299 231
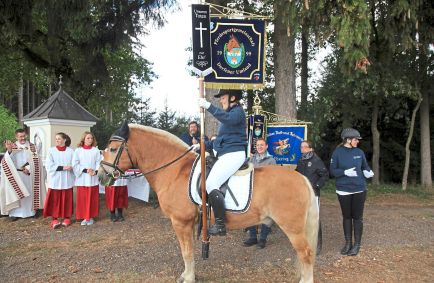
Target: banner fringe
214 85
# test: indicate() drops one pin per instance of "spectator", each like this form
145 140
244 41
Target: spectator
59 201
230 147
311 166
350 168
22 187
259 159
192 136
85 162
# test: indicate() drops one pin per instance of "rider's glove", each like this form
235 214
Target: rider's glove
203 103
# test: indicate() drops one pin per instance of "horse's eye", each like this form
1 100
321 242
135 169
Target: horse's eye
112 150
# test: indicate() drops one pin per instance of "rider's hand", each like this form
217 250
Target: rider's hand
196 147
203 103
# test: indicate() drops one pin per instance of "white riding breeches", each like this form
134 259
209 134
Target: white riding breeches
225 166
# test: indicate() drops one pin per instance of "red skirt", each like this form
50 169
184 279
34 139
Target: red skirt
87 202
116 197
58 203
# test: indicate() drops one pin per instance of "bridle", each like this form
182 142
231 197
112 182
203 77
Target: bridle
117 172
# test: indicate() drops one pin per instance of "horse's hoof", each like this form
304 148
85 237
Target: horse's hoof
182 280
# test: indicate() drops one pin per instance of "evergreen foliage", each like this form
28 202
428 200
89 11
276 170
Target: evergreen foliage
8 125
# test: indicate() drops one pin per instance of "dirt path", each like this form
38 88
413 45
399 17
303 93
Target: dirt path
398 245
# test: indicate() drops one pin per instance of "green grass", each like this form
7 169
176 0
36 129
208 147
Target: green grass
329 191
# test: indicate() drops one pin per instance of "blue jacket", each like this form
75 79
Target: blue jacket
185 137
231 136
344 158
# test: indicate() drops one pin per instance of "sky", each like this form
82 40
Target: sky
166 48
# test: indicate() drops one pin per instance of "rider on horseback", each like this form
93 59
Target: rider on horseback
230 148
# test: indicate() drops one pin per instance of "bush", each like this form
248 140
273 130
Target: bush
8 125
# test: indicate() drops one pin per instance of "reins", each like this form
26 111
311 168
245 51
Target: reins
120 173
170 163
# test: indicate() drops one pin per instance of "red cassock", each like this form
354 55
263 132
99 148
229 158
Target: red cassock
59 203
116 197
87 202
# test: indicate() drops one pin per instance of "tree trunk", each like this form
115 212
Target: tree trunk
20 102
33 97
28 97
375 143
425 136
407 145
284 63
304 73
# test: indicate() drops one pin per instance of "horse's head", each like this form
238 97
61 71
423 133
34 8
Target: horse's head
116 157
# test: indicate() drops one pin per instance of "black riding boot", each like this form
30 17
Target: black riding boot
358 230
348 231
319 243
217 202
120 216
113 216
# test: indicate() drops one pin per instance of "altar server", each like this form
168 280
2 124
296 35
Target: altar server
59 201
85 164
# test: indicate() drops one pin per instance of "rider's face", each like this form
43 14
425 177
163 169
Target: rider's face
224 101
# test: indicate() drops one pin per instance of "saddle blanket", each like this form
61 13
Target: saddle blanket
241 187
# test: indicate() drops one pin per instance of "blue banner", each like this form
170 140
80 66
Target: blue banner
284 143
237 48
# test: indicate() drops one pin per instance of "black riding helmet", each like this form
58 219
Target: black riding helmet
231 92
349 133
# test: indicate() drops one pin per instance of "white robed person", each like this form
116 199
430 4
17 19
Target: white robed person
85 164
22 184
59 202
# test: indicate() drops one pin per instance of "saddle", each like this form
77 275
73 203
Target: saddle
245 168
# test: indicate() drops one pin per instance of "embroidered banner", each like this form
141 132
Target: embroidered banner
237 48
257 127
201 39
284 143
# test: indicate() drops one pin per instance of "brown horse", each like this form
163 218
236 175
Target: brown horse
279 194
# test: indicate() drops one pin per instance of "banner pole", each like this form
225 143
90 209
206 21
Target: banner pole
205 238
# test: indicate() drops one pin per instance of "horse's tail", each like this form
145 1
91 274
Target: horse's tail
312 221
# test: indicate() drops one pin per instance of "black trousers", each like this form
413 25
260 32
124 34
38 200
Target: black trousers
352 205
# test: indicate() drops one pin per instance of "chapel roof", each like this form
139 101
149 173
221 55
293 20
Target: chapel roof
60 106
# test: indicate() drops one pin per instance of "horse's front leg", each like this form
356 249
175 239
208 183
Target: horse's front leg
184 232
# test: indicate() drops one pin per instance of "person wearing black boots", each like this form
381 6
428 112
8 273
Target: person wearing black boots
229 147
116 198
311 166
350 168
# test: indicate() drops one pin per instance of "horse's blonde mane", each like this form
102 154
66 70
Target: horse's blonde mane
161 133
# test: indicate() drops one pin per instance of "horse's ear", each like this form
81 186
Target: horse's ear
122 132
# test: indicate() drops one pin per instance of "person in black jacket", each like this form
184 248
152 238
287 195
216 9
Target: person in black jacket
311 166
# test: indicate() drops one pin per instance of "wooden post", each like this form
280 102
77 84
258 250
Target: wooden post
205 238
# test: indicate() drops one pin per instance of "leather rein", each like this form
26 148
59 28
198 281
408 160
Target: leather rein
117 172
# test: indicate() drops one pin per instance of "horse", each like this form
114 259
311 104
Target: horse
279 194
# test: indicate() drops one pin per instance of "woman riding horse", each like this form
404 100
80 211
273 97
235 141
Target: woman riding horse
280 194
230 147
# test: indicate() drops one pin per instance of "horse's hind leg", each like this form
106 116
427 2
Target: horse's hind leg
305 254
184 233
